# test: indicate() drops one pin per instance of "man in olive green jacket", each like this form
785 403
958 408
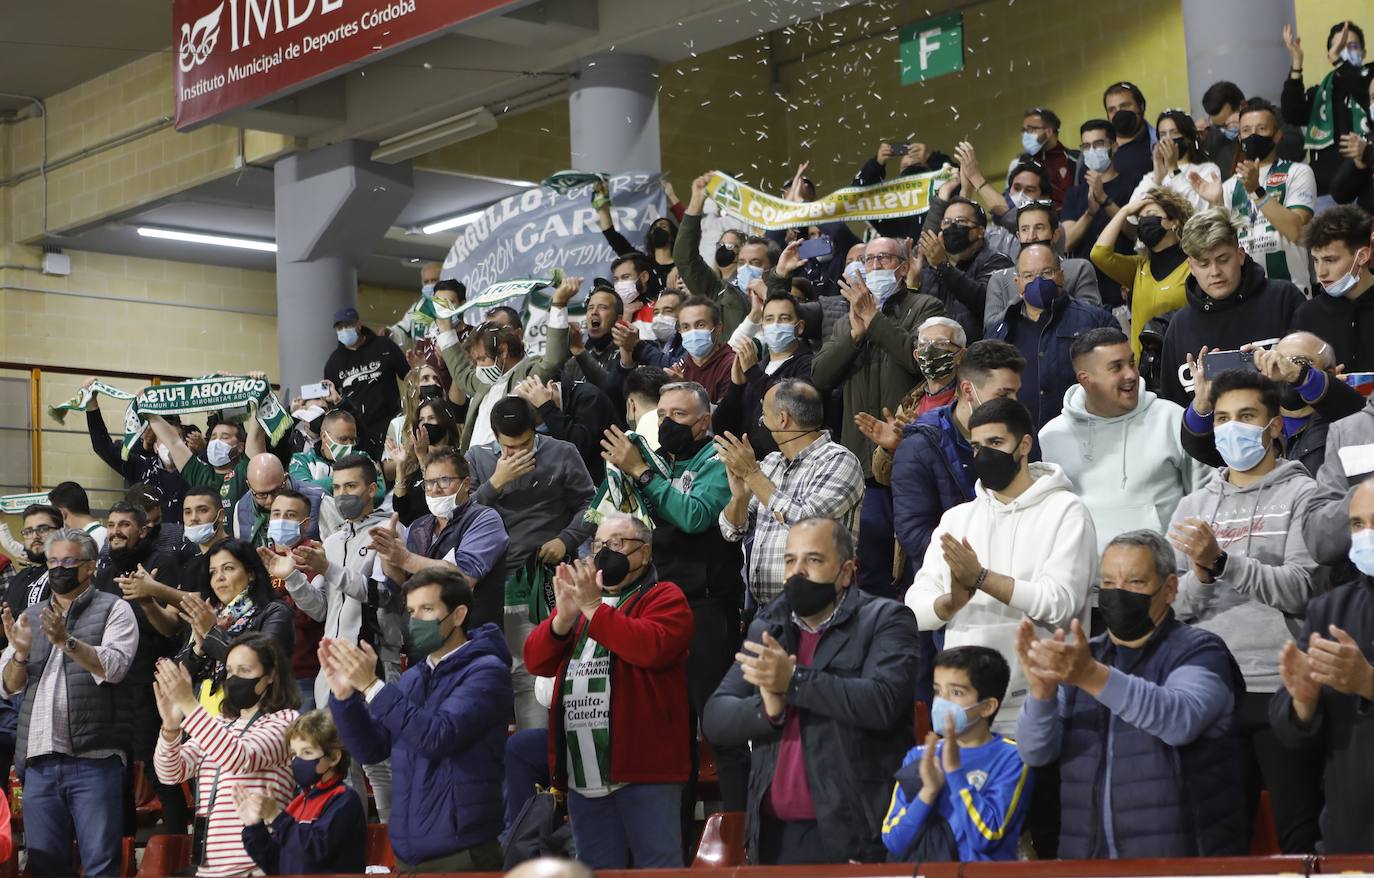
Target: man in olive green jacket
752 261
512 365
871 357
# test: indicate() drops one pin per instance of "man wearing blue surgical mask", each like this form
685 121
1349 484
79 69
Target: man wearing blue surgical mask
1243 570
1042 324
959 263
870 357
709 360
1100 192
726 285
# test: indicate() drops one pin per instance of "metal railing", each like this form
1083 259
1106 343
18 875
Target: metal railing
36 412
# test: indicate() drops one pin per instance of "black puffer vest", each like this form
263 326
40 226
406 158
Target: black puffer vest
97 715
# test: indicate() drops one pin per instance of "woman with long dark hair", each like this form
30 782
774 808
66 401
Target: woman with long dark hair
241 744
1178 157
235 598
436 426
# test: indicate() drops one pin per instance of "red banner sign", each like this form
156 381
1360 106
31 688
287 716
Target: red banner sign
232 54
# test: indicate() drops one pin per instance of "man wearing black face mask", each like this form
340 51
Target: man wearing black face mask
130 548
69 656
1171 693
685 504
989 564
1124 104
822 690
1276 198
619 728
958 264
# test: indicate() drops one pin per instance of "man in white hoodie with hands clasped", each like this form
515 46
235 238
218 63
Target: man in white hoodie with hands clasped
1023 548
1117 442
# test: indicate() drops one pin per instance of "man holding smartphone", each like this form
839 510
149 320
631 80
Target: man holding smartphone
1230 301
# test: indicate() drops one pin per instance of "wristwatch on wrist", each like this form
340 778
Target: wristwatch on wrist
70 644
643 479
1218 566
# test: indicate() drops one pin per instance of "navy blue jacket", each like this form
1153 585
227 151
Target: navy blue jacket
928 478
333 843
1069 318
1343 728
444 729
1167 801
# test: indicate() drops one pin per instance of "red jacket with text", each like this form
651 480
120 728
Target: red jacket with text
648 636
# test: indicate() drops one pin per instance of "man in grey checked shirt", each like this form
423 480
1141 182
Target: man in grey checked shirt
811 476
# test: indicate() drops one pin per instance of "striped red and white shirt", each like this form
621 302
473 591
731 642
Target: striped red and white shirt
255 756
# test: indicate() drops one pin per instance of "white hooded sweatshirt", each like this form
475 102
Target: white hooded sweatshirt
1044 540
1130 470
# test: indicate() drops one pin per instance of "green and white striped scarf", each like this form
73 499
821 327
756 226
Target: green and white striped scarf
235 395
1320 132
1257 224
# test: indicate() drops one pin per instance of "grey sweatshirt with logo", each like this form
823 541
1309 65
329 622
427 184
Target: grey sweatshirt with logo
1257 603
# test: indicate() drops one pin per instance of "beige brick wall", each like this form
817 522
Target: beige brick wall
704 103
146 316
123 118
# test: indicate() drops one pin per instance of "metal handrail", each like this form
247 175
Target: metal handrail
36 403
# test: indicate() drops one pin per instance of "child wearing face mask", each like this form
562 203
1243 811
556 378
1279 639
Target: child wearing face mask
324 828
963 794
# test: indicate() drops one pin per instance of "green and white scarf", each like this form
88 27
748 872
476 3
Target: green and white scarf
1321 127
586 704
17 503
82 401
228 393
1259 232
619 493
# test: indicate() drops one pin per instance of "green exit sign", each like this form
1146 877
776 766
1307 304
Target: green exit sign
932 48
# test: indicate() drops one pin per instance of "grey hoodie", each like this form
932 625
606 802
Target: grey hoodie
1130 470
1349 461
1269 571
337 596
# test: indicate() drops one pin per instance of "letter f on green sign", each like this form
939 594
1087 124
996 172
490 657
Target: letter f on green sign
929 45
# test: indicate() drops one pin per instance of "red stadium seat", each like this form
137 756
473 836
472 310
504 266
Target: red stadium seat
379 852
722 841
165 855
1264 842
920 724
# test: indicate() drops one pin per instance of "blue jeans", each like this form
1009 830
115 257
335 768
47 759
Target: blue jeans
527 765
877 541
307 685
641 819
65 795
